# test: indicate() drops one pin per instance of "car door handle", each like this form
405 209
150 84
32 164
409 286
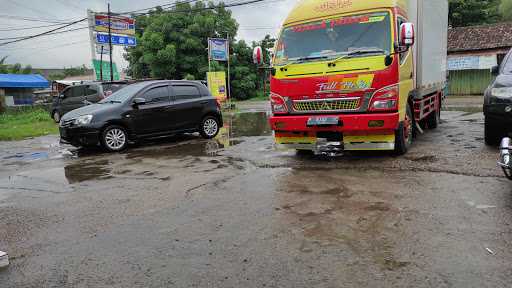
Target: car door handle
203 102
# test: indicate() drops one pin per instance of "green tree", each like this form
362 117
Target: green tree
506 10
473 12
173 43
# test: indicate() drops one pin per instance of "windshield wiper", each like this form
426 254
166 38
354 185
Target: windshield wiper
301 60
358 53
111 101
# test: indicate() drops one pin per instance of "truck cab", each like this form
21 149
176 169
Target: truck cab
344 77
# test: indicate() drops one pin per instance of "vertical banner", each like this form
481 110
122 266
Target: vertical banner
105 70
218 49
217 85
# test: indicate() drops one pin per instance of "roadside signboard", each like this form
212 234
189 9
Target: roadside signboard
477 62
218 49
217 84
104 51
116 40
106 70
120 25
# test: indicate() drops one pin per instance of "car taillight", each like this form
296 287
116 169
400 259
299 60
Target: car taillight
385 99
278 104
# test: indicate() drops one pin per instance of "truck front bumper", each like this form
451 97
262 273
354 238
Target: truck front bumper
353 132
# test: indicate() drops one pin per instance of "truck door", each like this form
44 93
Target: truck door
406 72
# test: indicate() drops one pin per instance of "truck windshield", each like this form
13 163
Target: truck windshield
336 37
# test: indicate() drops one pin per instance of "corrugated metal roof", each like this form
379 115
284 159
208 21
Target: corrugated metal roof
482 37
23 81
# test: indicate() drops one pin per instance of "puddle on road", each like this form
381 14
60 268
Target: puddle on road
333 208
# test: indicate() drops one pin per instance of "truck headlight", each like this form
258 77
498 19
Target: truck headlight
83 120
504 92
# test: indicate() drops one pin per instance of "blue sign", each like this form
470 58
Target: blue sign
218 49
116 40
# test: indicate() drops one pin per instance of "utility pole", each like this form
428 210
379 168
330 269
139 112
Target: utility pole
229 76
110 42
91 21
101 64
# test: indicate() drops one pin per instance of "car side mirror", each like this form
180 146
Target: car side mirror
138 102
495 70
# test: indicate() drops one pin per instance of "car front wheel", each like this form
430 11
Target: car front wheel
209 127
114 138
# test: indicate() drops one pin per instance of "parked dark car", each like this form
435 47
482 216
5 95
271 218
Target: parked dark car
143 110
498 103
77 96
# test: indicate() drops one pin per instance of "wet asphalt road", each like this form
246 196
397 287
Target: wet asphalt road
233 212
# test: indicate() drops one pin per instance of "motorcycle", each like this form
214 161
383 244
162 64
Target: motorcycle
505 161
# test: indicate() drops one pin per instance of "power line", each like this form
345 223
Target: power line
13 28
44 33
15 17
52 32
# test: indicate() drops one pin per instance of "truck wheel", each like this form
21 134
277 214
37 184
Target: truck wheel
114 138
434 118
404 133
492 134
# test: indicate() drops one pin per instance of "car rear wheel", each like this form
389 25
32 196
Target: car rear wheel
209 127
114 138
56 116
404 133
492 133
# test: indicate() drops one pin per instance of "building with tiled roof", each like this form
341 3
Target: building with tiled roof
472 52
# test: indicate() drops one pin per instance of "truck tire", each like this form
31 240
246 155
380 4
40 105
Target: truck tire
492 133
404 133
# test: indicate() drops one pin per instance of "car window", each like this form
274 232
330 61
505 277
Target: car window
77 91
67 93
91 90
111 88
185 92
158 94
507 65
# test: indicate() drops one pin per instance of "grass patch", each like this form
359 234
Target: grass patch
17 125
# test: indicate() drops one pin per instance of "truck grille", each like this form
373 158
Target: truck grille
331 105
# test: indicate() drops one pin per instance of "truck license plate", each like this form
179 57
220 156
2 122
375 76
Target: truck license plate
323 121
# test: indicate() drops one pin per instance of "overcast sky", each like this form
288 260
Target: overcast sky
73 48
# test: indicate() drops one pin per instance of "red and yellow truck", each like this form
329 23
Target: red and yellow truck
358 74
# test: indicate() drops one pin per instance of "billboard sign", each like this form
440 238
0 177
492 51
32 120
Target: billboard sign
116 40
120 25
218 49
105 67
217 84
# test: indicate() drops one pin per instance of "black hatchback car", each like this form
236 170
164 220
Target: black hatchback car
76 96
143 110
498 103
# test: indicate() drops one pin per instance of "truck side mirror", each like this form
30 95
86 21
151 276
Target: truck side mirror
257 55
495 70
407 35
